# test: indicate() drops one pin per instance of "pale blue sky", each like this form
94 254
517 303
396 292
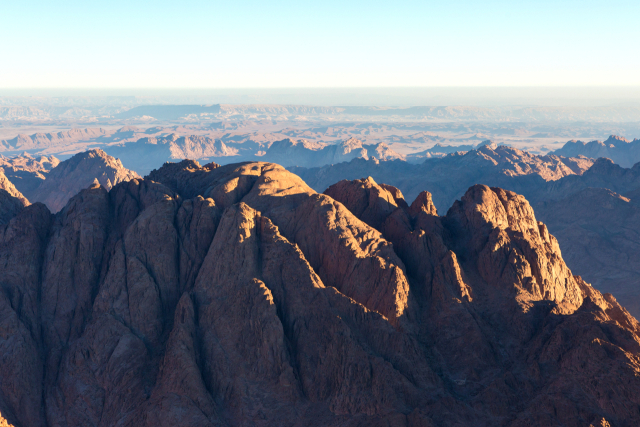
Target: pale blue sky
182 44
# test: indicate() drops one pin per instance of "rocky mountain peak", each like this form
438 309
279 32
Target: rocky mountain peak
488 143
79 172
351 143
615 140
604 166
423 203
237 295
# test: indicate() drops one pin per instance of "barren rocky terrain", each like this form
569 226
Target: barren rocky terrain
237 295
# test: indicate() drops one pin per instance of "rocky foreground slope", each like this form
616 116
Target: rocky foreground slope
236 295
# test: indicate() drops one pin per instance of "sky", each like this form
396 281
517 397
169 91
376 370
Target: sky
283 44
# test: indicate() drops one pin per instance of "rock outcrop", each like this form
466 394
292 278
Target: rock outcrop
4 423
237 295
77 173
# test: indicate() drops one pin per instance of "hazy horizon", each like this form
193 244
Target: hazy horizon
485 96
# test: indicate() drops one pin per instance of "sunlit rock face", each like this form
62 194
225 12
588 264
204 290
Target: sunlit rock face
237 295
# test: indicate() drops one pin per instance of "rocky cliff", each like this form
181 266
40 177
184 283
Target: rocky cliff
237 295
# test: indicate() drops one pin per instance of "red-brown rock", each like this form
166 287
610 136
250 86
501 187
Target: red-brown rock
236 295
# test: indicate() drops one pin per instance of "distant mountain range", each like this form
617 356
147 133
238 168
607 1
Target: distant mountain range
46 140
168 112
448 177
142 148
289 152
131 109
622 151
26 171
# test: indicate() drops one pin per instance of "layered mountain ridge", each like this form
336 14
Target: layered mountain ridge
449 177
624 152
304 153
27 172
237 295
